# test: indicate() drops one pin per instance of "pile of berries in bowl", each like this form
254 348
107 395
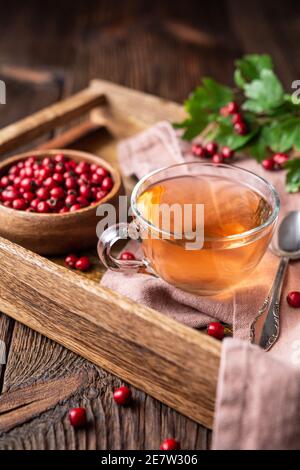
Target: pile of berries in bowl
53 184
49 199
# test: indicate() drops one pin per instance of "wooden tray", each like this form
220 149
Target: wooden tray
170 361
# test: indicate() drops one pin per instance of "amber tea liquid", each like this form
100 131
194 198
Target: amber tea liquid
230 208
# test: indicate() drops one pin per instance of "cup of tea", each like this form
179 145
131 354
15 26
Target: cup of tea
203 228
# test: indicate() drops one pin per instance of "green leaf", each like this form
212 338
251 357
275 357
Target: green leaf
283 135
203 106
264 94
259 146
227 136
292 182
211 96
194 127
250 67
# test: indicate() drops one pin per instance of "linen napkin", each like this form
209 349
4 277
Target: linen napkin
160 146
258 399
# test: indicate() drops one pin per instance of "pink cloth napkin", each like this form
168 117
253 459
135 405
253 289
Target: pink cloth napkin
253 409
258 399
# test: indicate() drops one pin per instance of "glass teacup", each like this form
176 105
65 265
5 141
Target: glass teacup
225 221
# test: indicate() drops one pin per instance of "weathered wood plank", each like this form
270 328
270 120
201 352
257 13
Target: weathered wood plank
109 330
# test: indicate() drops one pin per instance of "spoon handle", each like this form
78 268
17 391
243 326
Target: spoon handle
264 330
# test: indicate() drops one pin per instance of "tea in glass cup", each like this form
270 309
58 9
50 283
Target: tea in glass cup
239 213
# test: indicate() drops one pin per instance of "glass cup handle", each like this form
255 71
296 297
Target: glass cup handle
107 240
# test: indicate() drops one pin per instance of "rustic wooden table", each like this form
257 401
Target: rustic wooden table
48 52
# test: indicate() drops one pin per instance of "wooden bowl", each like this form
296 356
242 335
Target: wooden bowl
56 234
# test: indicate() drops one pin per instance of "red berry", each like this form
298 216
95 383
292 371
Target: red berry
122 395
43 207
82 201
27 184
85 191
30 161
71 261
44 173
64 209
42 194
28 196
77 417
70 200
19 204
199 151
29 209
101 171
82 167
7 203
27 172
93 167
100 195
57 192
34 204
59 168
211 148
268 164
17 181
127 256
83 264
237 118
232 107
216 330
84 178
4 181
49 183
14 170
55 204
107 184
71 183
69 174
293 299
58 178
72 192
60 158
75 207
217 158
170 444
279 159
10 194
240 128
70 165
47 161
96 179
226 152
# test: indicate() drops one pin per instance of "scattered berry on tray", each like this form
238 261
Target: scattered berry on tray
127 256
170 444
293 299
122 395
77 417
216 329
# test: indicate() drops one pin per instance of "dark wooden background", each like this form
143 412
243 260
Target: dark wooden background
50 49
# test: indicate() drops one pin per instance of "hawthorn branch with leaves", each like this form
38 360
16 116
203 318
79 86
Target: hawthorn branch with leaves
272 117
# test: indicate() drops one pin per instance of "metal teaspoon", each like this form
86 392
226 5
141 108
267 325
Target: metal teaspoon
264 330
